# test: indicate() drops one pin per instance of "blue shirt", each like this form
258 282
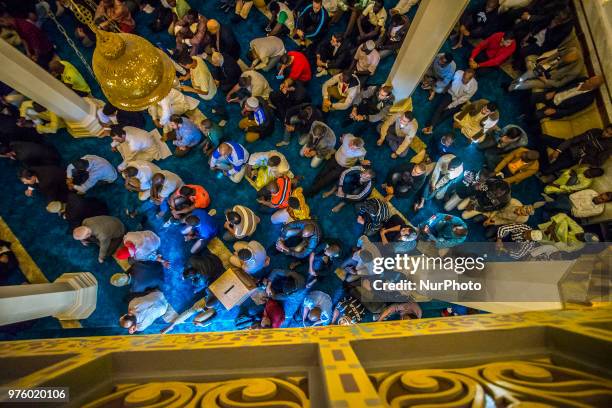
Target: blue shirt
236 159
99 169
188 134
207 228
441 230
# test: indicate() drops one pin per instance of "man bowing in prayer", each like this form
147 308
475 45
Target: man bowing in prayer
137 144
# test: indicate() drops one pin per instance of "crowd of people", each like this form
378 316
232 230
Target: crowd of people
536 37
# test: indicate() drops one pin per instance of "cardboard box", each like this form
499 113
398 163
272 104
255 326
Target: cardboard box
232 288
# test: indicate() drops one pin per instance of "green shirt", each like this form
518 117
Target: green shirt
181 8
73 78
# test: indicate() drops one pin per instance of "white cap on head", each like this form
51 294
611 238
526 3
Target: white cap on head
120 279
536 235
54 207
252 102
370 45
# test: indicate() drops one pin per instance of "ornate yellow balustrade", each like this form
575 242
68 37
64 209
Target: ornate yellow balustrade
535 359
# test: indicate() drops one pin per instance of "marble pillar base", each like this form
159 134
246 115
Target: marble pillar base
89 126
85 287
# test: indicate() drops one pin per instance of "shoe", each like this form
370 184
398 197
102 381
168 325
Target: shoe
282 143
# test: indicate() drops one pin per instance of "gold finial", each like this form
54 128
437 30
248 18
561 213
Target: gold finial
132 73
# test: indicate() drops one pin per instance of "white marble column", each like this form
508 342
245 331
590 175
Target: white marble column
431 26
72 296
28 78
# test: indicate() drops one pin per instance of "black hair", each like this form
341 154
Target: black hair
38 107
284 60
109 109
492 106
117 130
184 58
26 173
131 171
274 161
186 191
409 115
294 203
514 132
192 220
176 119
274 7
245 254
233 217
454 163
79 176
80 164
339 36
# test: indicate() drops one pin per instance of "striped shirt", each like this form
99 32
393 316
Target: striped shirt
281 198
248 222
238 157
514 233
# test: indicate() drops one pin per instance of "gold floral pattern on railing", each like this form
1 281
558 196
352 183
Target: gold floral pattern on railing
528 383
241 393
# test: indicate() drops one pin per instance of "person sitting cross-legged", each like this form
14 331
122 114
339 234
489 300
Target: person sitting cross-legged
249 256
240 222
398 130
317 309
476 119
355 185
298 238
372 215
257 121
444 230
519 165
340 91
318 144
439 75
448 170
458 92
372 105
199 226
333 56
186 135
231 159
264 167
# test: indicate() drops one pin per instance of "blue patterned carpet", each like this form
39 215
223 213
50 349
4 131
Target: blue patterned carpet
47 240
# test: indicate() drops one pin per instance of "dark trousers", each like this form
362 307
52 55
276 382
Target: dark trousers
564 160
441 112
562 203
329 174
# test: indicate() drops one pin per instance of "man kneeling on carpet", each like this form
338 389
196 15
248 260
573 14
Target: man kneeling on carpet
258 120
231 159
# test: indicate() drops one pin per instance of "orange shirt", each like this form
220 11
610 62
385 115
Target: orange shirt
281 198
201 199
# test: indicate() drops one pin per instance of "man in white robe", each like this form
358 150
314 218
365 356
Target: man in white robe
138 144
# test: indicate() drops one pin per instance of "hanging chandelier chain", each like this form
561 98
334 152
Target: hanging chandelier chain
71 43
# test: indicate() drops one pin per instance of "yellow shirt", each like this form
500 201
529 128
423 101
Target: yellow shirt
303 213
73 78
46 121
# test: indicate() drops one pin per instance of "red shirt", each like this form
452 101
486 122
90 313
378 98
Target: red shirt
494 51
275 312
300 67
34 37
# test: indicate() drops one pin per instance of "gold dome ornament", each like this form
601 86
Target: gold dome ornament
132 73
